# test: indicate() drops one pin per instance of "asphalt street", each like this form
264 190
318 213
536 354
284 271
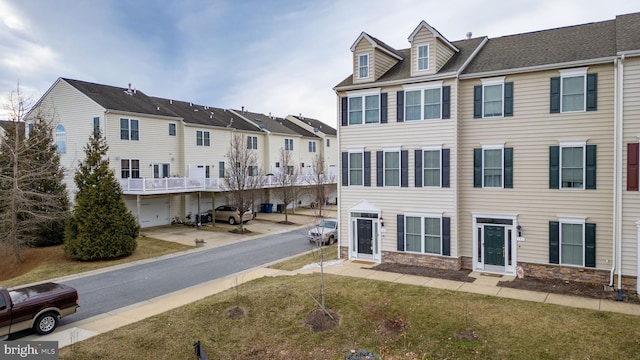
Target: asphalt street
115 289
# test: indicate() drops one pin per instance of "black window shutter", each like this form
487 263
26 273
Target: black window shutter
418 172
446 102
477 101
508 99
446 236
590 245
345 110
590 182
345 169
477 168
400 106
592 92
383 108
508 168
446 167
379 168
400 232
554 242
554 167
367 169
404 168
554 100
633 157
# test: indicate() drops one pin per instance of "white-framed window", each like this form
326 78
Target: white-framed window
422 52
328 143
356 168
312 146
432 167
493 97
364 107
363 66
288 144
172 129
572 241
203 138
289 169
423 233
161 170
252 142
492 166
572 165
573 87
391 163
129 129
130 168
61 139
221 169
253 170
423 101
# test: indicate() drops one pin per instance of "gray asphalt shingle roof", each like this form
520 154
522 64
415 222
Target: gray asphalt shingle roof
205 115
271 124
589 41
318 124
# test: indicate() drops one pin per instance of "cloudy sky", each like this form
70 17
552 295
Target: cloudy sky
270 56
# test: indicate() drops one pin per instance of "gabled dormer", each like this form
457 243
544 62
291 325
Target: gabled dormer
429 50
371 58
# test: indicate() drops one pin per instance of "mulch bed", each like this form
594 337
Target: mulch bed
555 286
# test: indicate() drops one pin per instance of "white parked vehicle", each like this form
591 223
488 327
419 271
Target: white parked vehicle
326 232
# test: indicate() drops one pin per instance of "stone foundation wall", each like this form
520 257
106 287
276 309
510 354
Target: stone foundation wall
433 261
467 262
544 271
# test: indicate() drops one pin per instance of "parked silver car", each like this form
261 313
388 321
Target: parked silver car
326 232
229 214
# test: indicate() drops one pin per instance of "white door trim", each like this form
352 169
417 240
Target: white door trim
478 248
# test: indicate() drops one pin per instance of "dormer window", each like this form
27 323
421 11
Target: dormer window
363 66
423 57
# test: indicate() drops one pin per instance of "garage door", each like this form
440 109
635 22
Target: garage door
153 212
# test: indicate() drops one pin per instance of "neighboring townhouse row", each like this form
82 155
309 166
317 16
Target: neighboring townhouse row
170 155
516 154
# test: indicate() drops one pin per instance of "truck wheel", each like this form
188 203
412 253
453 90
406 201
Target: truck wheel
46 323
232 221
209 218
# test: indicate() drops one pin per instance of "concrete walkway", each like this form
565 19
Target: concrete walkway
484 285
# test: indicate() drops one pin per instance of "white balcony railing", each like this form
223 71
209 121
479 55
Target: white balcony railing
150 186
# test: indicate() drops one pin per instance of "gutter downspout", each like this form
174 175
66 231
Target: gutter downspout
615 173
619 170
339 183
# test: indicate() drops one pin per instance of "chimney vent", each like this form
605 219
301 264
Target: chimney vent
469 34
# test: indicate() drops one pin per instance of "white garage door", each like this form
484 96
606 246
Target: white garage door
153 212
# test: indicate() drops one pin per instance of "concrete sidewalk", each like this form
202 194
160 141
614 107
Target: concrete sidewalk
268 224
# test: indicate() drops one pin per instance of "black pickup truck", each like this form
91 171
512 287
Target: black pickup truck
38 307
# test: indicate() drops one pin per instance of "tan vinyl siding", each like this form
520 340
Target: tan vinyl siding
69 107
531 131
383 62
400 200
423 37
154 145
631 199
363 47
443 54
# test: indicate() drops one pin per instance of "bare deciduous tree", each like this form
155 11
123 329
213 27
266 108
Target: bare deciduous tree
31 189
286 180
242 176
320 181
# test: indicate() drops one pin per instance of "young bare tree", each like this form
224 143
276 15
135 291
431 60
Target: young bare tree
240 175
32 195
320 182
286 180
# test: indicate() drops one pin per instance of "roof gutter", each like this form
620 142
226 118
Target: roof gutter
396 82
555 66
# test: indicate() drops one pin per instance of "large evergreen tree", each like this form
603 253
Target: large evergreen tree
101 226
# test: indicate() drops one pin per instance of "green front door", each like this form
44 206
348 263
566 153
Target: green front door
494 245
